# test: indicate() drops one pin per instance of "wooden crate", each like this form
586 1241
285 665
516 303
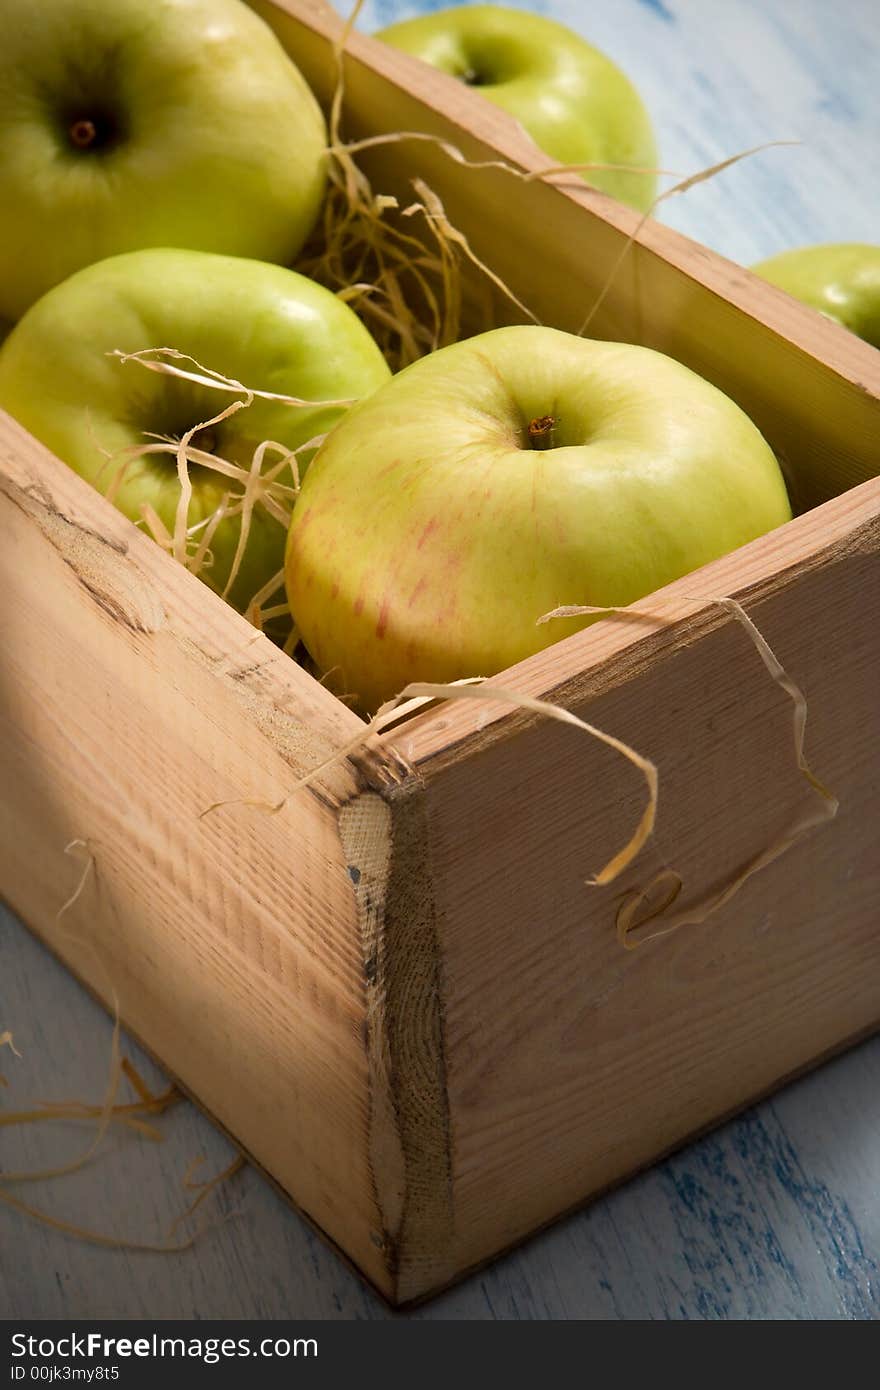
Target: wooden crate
399 994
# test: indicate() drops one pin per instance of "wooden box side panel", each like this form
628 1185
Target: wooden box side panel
131 699
570 1061
811 387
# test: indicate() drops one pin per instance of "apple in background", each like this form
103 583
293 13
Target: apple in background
841 280
505 476
263 325
572 100
129 124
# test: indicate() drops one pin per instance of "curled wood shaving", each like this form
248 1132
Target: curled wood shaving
649 904
449 237
6 1040
130 1114
68 1228
162 359
205 1188
256 486
683 186
259 610
477 688
372 142
410 299
517 700
105 1111
127 1115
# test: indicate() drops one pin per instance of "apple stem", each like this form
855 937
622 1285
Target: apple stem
83 134
541 432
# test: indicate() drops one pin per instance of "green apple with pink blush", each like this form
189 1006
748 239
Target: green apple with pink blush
501 478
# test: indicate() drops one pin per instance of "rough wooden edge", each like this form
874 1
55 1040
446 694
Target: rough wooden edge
119 563
386 845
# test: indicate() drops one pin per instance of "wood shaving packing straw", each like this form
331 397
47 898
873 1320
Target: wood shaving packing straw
356 234
204 1189
683 186
191 545
125 1114
105 1110
103 1115
481 689
6 1040
666 886
409 298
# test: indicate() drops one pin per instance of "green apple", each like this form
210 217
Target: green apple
572 100
260 324
134 123
505 476
841 280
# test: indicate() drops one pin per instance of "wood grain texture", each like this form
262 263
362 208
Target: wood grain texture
573 1060
230 939
774 1216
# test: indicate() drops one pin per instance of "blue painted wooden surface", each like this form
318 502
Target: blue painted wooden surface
776 1215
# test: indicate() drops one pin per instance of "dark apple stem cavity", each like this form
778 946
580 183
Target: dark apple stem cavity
542 431
83 134
98 130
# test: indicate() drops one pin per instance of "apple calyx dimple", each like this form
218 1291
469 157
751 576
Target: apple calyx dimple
541 432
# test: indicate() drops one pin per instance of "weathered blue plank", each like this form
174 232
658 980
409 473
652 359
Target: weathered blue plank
720 77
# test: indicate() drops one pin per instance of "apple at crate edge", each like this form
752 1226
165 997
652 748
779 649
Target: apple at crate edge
572 100
263 325
135 123
841 280
431 535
